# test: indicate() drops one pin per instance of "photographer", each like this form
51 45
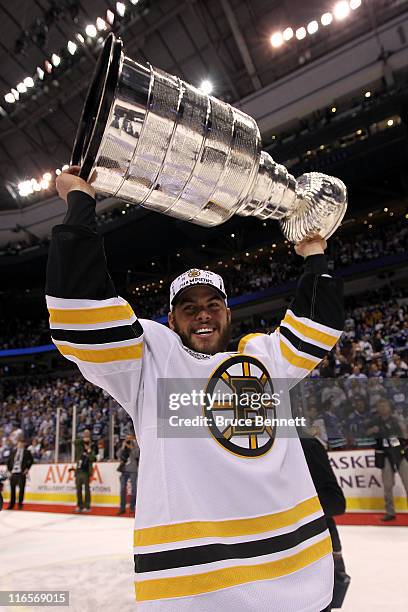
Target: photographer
84 457
390 434
128 456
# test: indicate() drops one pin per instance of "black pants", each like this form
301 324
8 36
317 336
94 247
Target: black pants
82 481
17 480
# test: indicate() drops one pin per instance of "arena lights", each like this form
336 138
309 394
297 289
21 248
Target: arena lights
72 47
287 34
55 60
277 39
312 27
206 86
120 8
90 30
326 19
101 24
301 33
340 11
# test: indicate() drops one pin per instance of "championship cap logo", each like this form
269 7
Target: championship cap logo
193 273
195 277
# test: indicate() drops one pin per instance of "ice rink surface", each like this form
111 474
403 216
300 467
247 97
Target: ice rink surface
91 556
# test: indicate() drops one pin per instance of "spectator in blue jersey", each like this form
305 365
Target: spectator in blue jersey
98 427
334 426
358 423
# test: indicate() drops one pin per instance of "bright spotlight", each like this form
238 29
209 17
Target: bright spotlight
44 184
206 87
341 10
334 109
90 30
120 8
367 94
100 24
355 4
37 186
80 38
390 122
25 188
72 47
326 19
301 33
28 82
276 39
110 16
47 176
9 98
55 59
58 172
312 27
15 93
21 88
65 167
287 34
40 73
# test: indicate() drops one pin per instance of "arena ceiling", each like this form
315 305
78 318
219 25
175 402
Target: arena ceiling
225 41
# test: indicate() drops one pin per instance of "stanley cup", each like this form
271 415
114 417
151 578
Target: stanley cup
151 139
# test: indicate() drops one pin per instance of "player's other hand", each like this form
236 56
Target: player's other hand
69 180
311 246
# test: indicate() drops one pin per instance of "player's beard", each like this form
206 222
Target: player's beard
218 346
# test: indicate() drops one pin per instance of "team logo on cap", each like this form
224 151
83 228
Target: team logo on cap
240 420
193 273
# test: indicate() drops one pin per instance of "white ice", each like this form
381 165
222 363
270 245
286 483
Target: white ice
91 556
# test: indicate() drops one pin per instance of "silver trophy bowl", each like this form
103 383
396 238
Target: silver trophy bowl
149 138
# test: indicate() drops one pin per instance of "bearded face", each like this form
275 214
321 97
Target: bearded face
202 320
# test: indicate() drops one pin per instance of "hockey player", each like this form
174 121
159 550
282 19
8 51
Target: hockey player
226 517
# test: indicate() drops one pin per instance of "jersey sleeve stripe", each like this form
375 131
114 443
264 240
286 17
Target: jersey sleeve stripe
314 323
301 345
296 360
311 331
91 315
177 532
95 336
244 341
75 303
193 584
102 355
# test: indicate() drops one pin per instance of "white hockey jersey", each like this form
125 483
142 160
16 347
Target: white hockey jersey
226 518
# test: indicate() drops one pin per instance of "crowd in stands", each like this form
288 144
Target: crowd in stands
28 410
243 277
249 275
339 399
17 333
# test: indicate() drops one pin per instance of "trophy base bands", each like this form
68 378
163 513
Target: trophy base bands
34 598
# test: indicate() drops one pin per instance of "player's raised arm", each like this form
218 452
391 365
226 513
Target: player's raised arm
312 324
90 324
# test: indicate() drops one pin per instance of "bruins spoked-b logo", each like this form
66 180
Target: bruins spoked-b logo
240 406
